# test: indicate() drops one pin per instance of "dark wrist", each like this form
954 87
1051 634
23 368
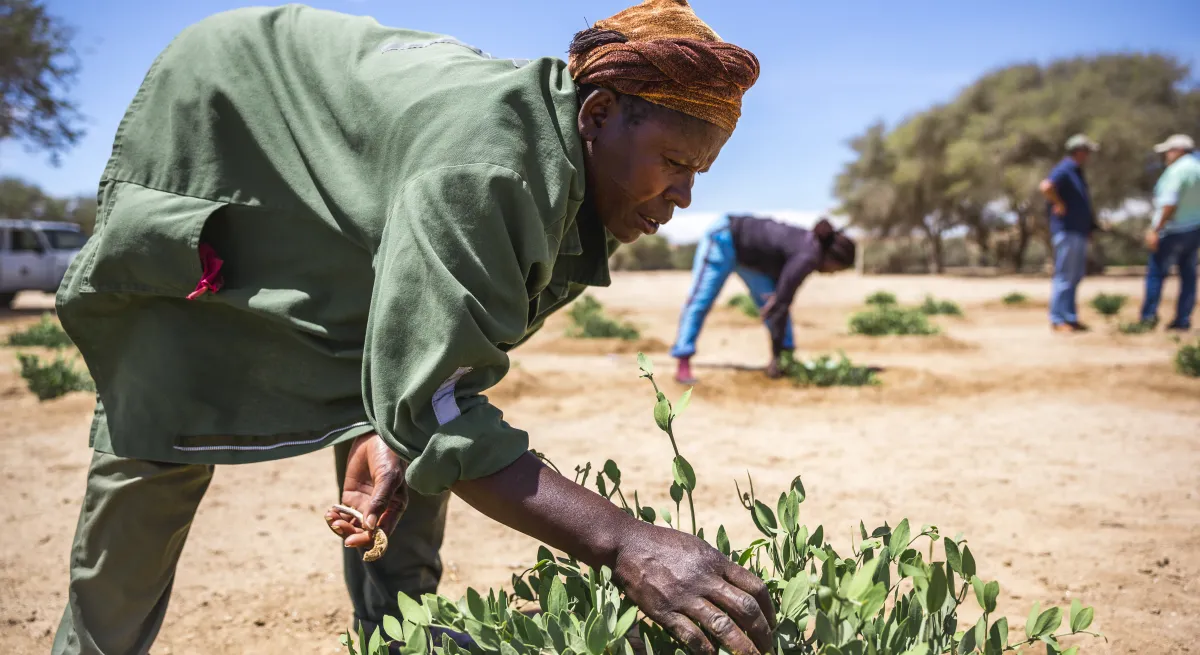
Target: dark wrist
603 543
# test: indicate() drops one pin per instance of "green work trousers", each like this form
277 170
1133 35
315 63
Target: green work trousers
134 521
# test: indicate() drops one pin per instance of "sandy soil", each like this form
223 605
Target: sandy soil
1072 463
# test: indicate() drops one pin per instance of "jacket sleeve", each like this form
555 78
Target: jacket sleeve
449 290
797 268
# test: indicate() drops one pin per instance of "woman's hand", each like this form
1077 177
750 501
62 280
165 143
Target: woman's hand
374 486
689 588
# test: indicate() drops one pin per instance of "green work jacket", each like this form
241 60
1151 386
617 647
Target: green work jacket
395 211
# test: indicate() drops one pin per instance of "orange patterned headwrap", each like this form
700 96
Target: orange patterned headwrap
662 52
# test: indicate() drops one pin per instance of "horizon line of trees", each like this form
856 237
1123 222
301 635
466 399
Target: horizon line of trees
971 166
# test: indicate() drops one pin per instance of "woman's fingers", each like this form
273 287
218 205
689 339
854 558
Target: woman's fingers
745 612
687 632
719 624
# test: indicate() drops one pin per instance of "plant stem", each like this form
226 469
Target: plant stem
675 447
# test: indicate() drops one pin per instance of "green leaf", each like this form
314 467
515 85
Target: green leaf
534 635
601 488
990 592
744 558
557 637
1073 650
666 515
824 630
1082 620
644 364
980 631
684 475
919 649
873 601
980 589
863 579
898 542
557 601
798 487
1047 622
362 639
411 611
723 541
476 606
507 649
968 643
544 554
648 514
625 623
953 556
1033 615
596 631
935 594
376 641
913 571
764 519
676 492
700 534
662 414
613 473
795 594
968 562
521 589
392 628
684 401
416 641
999 633
1075 607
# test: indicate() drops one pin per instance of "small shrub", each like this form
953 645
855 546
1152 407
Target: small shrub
933 307
1109 304
882 298
46 333
1136 327
54 379
1187 360
827 371
745 304
887 320
589 322
881 597
1015 298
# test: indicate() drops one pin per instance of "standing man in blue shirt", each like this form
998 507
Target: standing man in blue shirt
1174 236
1072 221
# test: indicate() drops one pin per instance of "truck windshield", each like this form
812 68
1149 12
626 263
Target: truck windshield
65 239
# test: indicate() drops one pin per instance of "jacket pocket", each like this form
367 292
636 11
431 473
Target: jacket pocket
149 242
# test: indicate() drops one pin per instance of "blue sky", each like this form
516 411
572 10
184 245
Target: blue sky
828 70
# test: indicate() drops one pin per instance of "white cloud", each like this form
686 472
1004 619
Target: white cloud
689 226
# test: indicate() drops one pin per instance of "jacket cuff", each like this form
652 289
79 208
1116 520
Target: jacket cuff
474 445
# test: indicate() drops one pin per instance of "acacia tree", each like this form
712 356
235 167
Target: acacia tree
38 66
976 161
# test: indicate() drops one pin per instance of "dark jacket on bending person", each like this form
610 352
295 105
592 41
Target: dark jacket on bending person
784 252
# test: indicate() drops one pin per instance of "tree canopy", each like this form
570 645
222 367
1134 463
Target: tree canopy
973 164
37 69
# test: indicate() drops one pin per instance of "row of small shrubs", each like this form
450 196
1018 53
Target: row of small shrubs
828 371
1187 360
588 321
744 304
48 379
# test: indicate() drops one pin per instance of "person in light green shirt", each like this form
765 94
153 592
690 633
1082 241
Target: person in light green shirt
1174 236
318 231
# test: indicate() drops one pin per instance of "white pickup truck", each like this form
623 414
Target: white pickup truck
34 255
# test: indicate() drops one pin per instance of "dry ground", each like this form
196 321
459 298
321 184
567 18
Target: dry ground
1071 463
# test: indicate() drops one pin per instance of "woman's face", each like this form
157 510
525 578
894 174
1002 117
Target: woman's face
640 168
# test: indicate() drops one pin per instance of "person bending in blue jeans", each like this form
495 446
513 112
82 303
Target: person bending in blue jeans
773 259
1174 236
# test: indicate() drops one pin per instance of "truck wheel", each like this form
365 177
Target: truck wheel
6 300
